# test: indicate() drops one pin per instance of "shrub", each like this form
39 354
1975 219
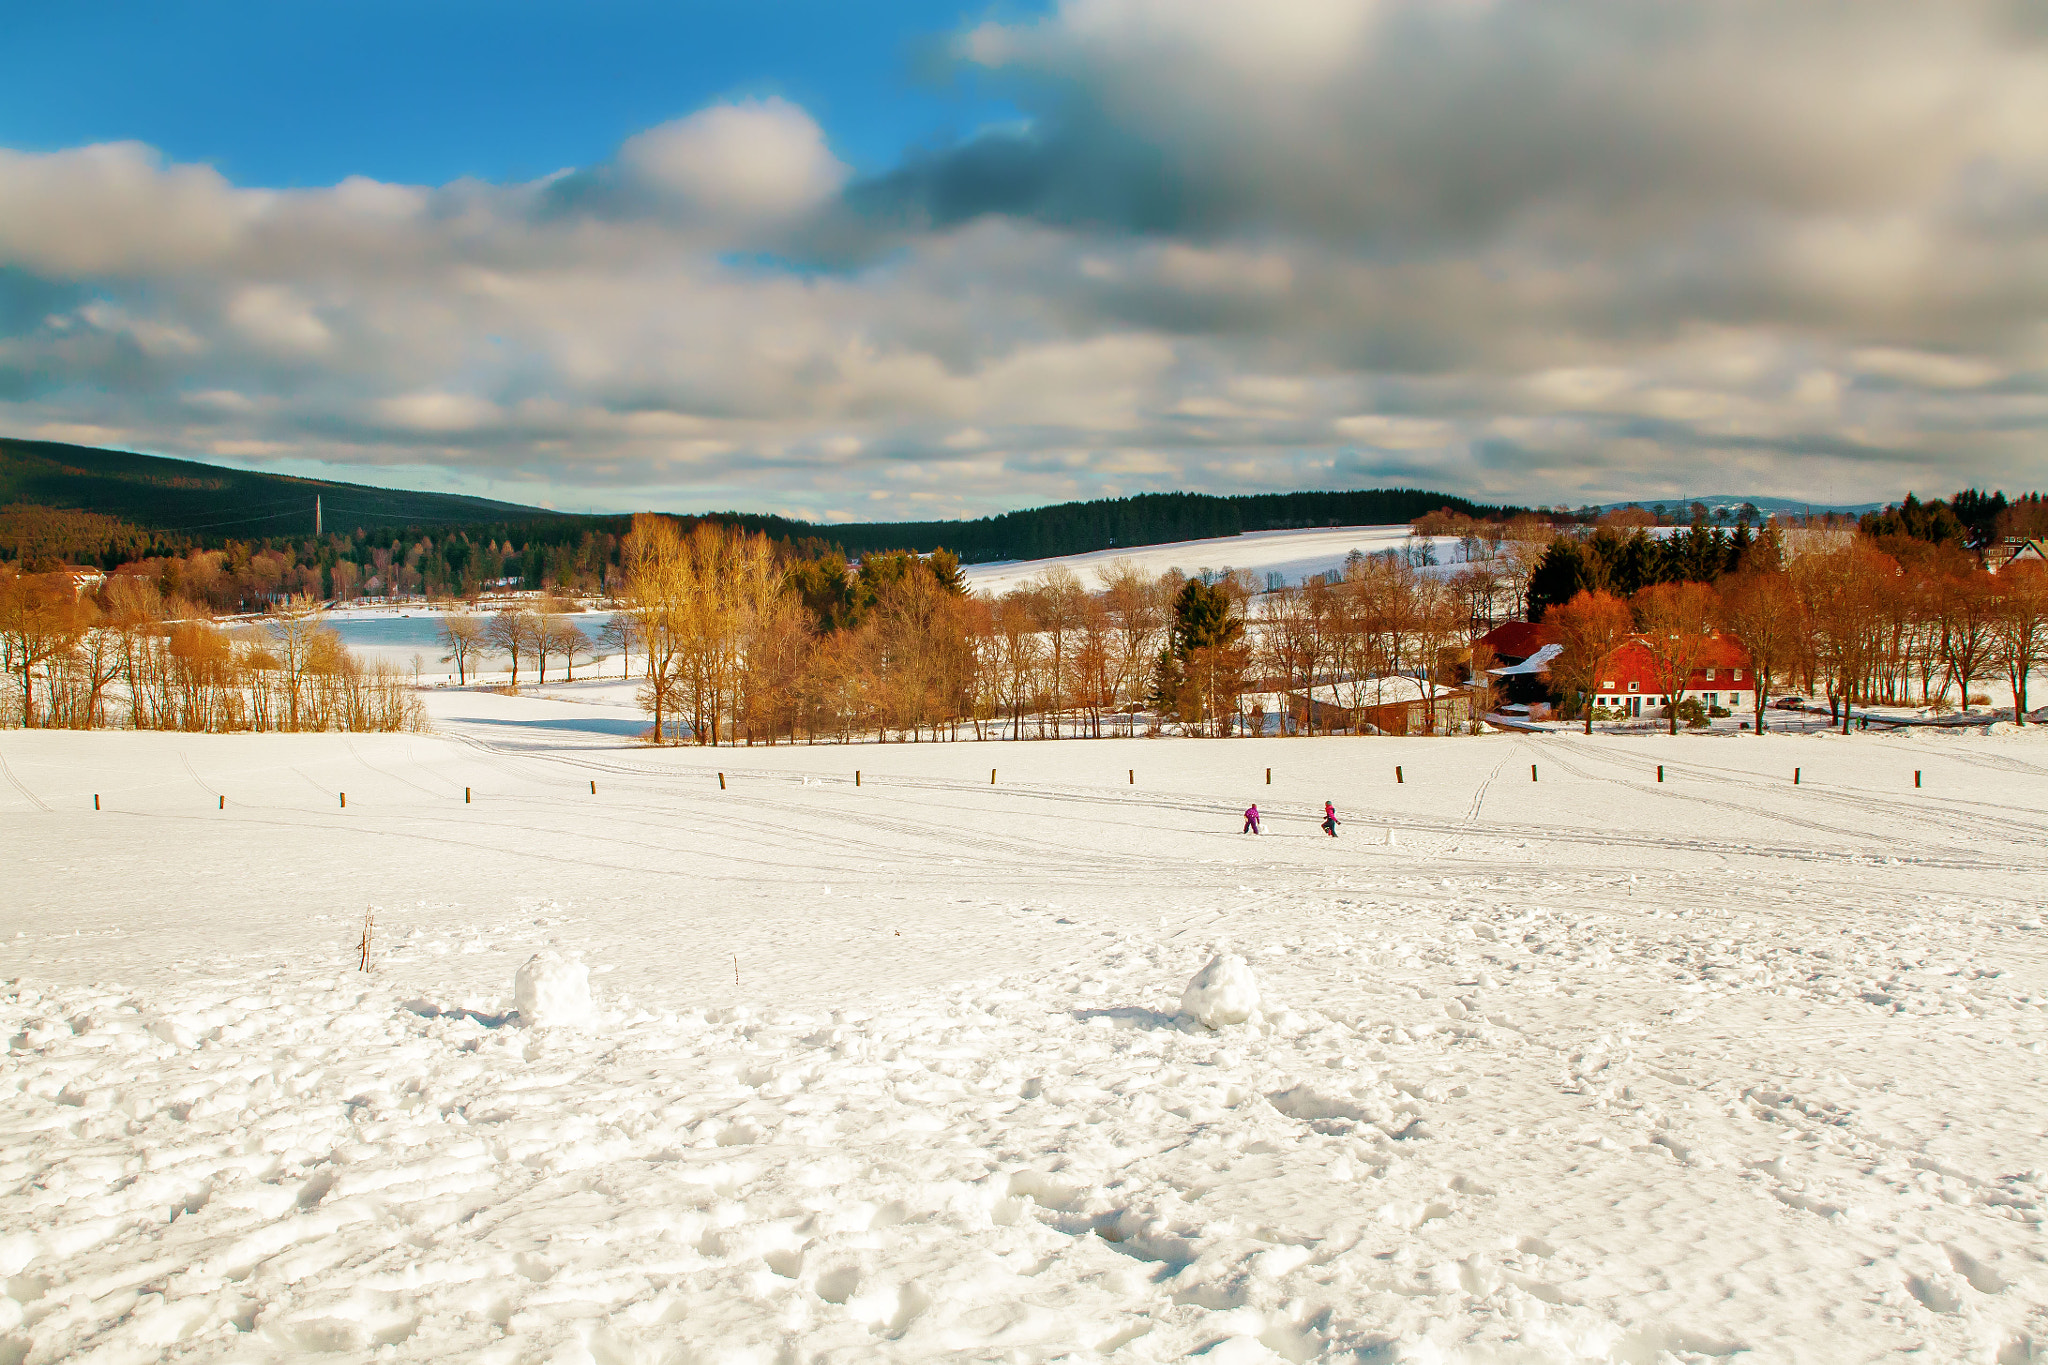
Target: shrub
1692 711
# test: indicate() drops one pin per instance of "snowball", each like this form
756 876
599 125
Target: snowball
551 990
1222 992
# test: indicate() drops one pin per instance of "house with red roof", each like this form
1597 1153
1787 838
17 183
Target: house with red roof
1628 682
1514 642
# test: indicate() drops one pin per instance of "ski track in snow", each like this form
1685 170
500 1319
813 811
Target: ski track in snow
1587 1069
16 783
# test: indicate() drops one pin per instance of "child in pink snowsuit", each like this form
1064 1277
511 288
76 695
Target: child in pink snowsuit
1330 820
1251 820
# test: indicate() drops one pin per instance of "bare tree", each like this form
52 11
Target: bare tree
1019 649
1057 601
1969 612
658 586
1290 647
1677 621
40 621
512 630
1138 608
463 634
621 633
1840 590
298 633
566 639
1763 613
1589 628
2022 628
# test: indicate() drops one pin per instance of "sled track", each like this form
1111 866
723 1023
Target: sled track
774 819
672 783
1479 796
1653 789
197 781
355 750
1923 813
20 786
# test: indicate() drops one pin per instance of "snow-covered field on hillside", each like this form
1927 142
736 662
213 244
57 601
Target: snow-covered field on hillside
1291 554
1585 1068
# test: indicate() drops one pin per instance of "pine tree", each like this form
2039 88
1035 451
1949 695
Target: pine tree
1559 576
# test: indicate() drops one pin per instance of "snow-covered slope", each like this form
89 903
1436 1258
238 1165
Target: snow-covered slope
1292 554
1591 1068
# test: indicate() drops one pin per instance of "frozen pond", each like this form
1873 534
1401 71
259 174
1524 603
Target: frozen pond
395 639
422 630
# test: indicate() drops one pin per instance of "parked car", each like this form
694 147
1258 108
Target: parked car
1788 703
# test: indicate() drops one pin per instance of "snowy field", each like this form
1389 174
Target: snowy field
1293 554
1589 1068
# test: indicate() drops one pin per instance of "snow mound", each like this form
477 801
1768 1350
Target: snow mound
551 991
1222 993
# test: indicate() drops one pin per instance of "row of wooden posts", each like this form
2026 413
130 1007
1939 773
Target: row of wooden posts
1132 775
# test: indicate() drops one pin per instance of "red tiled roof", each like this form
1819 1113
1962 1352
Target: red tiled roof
1631 663
1518 639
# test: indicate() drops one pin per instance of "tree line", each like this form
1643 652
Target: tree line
734 648
1972 519
124 656
1856 617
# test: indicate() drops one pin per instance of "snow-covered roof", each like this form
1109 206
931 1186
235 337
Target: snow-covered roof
1376 692
1539 662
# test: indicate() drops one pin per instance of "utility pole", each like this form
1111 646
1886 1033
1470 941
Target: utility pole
316 516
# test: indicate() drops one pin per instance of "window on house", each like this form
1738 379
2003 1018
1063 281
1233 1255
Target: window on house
1735 673
1635 687
1710 675
1609 684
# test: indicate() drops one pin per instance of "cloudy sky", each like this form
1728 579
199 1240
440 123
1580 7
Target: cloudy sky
797 256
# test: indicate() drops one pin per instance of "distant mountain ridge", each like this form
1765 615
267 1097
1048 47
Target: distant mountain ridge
1768 506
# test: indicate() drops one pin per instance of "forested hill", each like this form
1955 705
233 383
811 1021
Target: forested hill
1145 519
183 498
77 503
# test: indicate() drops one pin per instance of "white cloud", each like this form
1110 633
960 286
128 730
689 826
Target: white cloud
115 209
1926 369
1397 433
763 159
271 315
433 411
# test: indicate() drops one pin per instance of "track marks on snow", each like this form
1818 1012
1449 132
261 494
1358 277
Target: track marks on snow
21 786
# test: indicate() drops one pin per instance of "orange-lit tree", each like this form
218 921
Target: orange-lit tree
1763 613
1677 623
1589 627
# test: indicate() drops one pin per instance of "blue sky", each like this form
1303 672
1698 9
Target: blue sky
898 261
303 95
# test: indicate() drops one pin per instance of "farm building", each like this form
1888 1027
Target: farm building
1391 706
1628 680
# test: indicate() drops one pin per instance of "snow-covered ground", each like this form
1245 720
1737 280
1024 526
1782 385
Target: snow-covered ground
1587 1068
1292 554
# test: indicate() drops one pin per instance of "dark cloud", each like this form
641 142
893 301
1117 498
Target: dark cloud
1399 127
